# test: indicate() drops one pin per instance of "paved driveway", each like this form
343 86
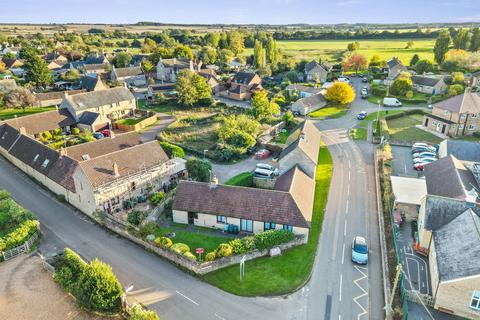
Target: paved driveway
402 162
151 132
226 171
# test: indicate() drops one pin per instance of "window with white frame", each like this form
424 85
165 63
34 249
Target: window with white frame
475 303
474 115
221 219
472 127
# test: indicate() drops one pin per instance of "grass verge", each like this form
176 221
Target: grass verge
281 275
244 179
11 113
330 112
358 133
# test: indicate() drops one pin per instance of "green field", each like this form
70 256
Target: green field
18 112
403 129
333 49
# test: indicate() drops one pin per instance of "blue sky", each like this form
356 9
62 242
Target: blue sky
240 11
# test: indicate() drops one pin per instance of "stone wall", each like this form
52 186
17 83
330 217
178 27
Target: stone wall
150 120
264 183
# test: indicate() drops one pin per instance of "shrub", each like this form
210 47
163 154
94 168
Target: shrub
249 243
75 131
455 89
210 256
180 248
271 238
172 150
138 313
61 197
148 228
98 289
163 242
72 267
409 94
135 217
21 234
237 246
157 197
190 256
223 250
4 195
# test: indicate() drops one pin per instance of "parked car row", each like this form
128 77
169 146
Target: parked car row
263 170
423 154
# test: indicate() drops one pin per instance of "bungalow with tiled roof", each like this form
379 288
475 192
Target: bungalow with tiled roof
242 86
132 76
288 206
429 85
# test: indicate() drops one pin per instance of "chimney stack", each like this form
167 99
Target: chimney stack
115 170
22 130
63 151
213 182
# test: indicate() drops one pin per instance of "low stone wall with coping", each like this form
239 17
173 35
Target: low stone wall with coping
151 118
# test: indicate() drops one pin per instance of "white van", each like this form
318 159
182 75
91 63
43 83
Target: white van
391 102
267 167
263 173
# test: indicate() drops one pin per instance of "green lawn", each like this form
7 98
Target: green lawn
358 133
11 113
333 49
166 106
282 137
130 121
195 238
403 129
284 274
244 179
330 112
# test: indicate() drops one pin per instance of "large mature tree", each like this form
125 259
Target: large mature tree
272 51
340 92
441 46
183 51
192 88
462 39
122 59
225 56
235 42
262 107
209 55
160 53
414 60
19 98
259 55
401 85
37 71
147 66
423 66
212 39
149 45
475 40
199 169
353 46
355 62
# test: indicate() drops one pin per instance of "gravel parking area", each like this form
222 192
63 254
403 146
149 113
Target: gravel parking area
402 162
27 291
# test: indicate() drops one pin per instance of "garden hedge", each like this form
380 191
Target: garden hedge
172 150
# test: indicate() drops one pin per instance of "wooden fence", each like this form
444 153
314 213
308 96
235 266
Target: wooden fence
12 253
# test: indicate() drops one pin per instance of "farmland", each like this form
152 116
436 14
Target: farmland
333 49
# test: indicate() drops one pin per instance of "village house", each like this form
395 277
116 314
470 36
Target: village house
454 267
110 104
53 98
395 67
460 149
317 72
101 68
37 123
475 80
429 85
408 193
302 91
167 69
95 58
5 48
242 86
12 63
457 116
288 206
92 82
212 79
309 104
302 149
131 76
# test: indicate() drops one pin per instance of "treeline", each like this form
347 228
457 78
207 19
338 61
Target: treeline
357 35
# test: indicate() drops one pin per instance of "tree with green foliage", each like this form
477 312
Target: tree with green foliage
199 169
235 42
37 73
192 88
441 46
262 107
212 39
475 40
401 86
272 51
138 313
288 119
183 51
410 45
458 77
414 60
225 56
149 45
70 75
122 59
340 92
259 55
98 289
353 46
160 53
147 66
462 39
208 55
423 66
376 61
455 89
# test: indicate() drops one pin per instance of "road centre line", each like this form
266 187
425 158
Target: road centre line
340 293
346 207
348 190
195 303
217 316
345 228
343 253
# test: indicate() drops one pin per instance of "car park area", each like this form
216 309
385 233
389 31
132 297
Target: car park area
402 162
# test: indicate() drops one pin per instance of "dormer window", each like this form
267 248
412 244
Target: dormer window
45 163
36 157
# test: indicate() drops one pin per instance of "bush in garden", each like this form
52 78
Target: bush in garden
75 131
148 228
271 238
135 217
138 313
163 242
72 267
224 250
248 243
172 150
157 197
237 246
98 289
190 256
210 256
21 234
180 248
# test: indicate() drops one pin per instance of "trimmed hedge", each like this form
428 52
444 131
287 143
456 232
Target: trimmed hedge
19 235
180 248
71 268
404 113
271 238
172 150
137 312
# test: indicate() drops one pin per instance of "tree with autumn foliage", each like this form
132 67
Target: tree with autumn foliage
340 92
355 62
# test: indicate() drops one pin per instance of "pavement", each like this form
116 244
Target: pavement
150 133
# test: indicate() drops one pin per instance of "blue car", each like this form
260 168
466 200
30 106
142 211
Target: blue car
359 250
98 135
362 115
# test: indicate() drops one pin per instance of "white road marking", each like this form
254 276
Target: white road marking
349 176
346 208
343 253
340 294
345 228
339 317
195 303
216 315
364 292
348 190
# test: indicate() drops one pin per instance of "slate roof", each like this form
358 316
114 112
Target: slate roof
394 62
128 72
457 247
95 99
8 135
178 63
95 66
239 202
9 63
307 138
462 150
104 146
55 95
95 59
90 82
99 170
7 85
88 118
45 161
244 77
163 87
313 100
40 122
460 179
468 102
425 81
440 211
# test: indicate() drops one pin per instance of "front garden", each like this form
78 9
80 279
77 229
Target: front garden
17 224
10 113
330 112
282 274
402 127
56 139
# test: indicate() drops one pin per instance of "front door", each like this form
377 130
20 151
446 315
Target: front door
443 129
426 122
191 217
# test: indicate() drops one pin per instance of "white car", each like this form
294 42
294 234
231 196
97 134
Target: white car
425 154
268 167
427 159
420 144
